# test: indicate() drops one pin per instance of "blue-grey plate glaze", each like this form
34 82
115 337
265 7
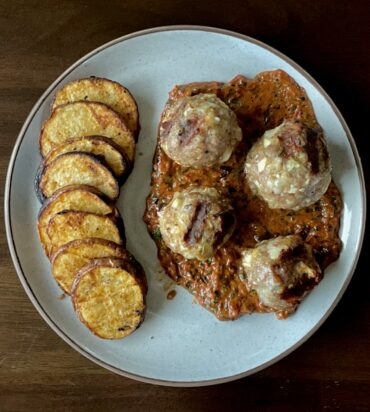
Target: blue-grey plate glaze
179 344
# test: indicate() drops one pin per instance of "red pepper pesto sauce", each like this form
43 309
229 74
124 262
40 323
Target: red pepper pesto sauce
218 284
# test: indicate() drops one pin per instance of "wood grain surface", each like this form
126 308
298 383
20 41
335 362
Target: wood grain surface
38 41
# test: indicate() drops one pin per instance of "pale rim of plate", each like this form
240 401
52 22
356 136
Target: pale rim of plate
13 249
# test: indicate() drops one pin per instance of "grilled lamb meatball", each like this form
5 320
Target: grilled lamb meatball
196 222
289 166
281 270
199 131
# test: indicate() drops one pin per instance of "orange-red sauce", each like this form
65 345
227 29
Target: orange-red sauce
260 104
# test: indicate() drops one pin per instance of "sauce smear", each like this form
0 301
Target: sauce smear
218 284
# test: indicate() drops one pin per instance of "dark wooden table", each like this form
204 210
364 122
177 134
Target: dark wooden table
39 40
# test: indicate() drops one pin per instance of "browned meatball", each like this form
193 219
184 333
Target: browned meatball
196 222
289 166
199 131
281 270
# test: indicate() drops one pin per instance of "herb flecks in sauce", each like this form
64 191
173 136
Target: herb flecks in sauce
219 283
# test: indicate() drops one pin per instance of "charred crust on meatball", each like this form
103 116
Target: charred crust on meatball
228 222
300 138
196 227
316 149
189 130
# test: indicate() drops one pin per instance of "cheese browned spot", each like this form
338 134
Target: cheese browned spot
289 166
199 131
196 222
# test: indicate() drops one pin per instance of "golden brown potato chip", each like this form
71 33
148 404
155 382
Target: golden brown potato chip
80 198
109 297
98 146
70 225
71 257
105 91
74 120
75 168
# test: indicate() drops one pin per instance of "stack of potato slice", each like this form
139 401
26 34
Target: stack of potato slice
88 149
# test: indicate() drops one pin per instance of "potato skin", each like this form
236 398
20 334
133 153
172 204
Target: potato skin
88 147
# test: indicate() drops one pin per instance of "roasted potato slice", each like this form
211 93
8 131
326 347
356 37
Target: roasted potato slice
80 198
74 120
71 257
69 225
102 90
98 146
75 168
109 297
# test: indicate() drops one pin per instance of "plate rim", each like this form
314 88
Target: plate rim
7 199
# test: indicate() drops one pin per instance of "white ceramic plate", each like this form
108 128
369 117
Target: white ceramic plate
179 344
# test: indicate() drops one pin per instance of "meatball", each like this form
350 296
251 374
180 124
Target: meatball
196 222
289 166
199 131
281 271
